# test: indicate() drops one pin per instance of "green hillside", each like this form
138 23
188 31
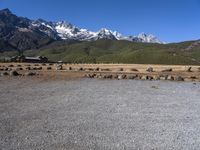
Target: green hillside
108 51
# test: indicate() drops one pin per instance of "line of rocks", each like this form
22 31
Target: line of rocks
135 76
16 73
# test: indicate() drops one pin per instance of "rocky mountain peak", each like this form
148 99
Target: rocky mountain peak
30 33
5 11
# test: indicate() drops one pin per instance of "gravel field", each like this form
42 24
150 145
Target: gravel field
94 114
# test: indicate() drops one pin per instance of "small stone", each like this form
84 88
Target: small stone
149 77
133 69
80 69
156 77
119 77
170 78
167 70
14 73
150 69
163 77
4 74
144 77
59 67
154 87
131 76
30 74
179 78
28 68
189 69
10 65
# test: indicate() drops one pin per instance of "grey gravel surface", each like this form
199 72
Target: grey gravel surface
98 114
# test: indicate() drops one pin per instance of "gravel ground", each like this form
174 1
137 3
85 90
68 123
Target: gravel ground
98 114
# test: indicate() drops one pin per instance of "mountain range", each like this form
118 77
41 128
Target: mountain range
63 41
20 33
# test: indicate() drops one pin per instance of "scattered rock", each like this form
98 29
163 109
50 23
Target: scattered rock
121 69
115 76
138 77
49 68
99 76
156 77
154 87
40 68
149 77
93 75
179 78
120 77
28 68
80 69
167 70
163 77
144 77
30 74
124 76
193 77
150 69
90 69
59 67
4 74
189 69
90 75
107 76
10 65
6 69
19 69
170 78
131 76
133 69
14 73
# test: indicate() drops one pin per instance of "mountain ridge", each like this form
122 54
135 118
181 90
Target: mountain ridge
21 33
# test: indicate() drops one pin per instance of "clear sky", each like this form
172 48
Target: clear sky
170 20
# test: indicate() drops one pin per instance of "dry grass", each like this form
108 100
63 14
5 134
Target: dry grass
75 71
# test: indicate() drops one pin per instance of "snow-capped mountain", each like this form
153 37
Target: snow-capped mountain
22 33
67 31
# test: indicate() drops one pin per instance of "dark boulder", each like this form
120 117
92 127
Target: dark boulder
167 70
14 73
150 69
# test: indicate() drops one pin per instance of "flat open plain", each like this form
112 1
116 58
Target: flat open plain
81 114
51 106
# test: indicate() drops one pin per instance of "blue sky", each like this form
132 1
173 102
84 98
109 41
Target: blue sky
170 20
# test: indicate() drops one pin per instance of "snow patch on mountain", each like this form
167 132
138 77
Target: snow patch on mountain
67 31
